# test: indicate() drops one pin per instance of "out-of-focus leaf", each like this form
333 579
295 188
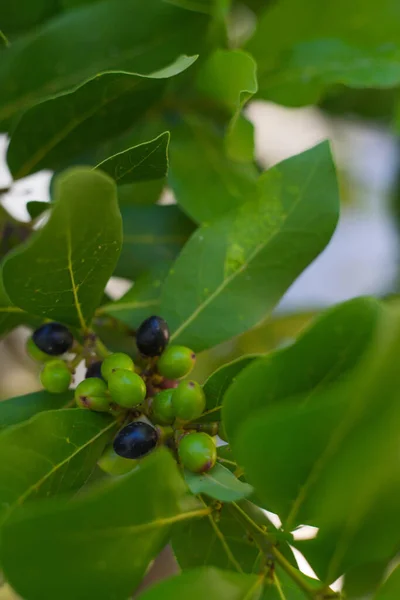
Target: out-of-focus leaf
21 408
219 483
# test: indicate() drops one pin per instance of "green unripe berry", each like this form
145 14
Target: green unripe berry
188 401
126 388
197 452
113 464
176 362
92 393
35 353
162 411
119 360
55 376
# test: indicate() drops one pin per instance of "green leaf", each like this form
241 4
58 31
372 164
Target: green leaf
21 408
20 15
140 192
11 316
141 300
146 161
330 347
99 109
390 590
205 182
301 50
152 234
221 542
229 77
219 483
98 545
52 453
61 272
130 36
36 208
208 583
218 383
246 260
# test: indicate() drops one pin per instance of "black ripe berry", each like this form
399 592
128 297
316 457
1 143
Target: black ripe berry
135 440
94 370
53 339
152 336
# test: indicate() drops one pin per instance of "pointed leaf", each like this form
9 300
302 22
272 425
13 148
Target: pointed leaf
152 234
207 583
146 161
129 36
21 408
390 590
61 272
51 453
11 316
100 108
98 545
219 483
246 260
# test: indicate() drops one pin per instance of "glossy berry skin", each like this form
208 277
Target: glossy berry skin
162 411
126 388
119 360
188 401
152 336
55 376
176 362
94 370
115 465
197 452
53 338
92 393
135 440
34 352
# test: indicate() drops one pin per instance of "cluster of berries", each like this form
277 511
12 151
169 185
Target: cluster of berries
157 406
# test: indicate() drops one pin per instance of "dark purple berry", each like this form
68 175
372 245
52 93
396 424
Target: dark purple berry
53 338
135 440
152 336
94 370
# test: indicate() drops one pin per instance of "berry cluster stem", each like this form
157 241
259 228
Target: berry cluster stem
267 545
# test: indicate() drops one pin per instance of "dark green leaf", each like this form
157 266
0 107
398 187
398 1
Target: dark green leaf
221 542
218 383
208 583
51 453
21 408
302 49
100 544
54 132
141 301
10 315
391 588
140 192
330 347
206 183
130 36
219 483
146 161
152 234
61 272
36 208
20 15
245 261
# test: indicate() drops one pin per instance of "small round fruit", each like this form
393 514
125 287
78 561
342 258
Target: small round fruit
127 388
119 360
188 401
55 376
169 384
152 336
94 370
197 452
92 393
53 338
34 352
176 362
135 440
161 408
113 464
